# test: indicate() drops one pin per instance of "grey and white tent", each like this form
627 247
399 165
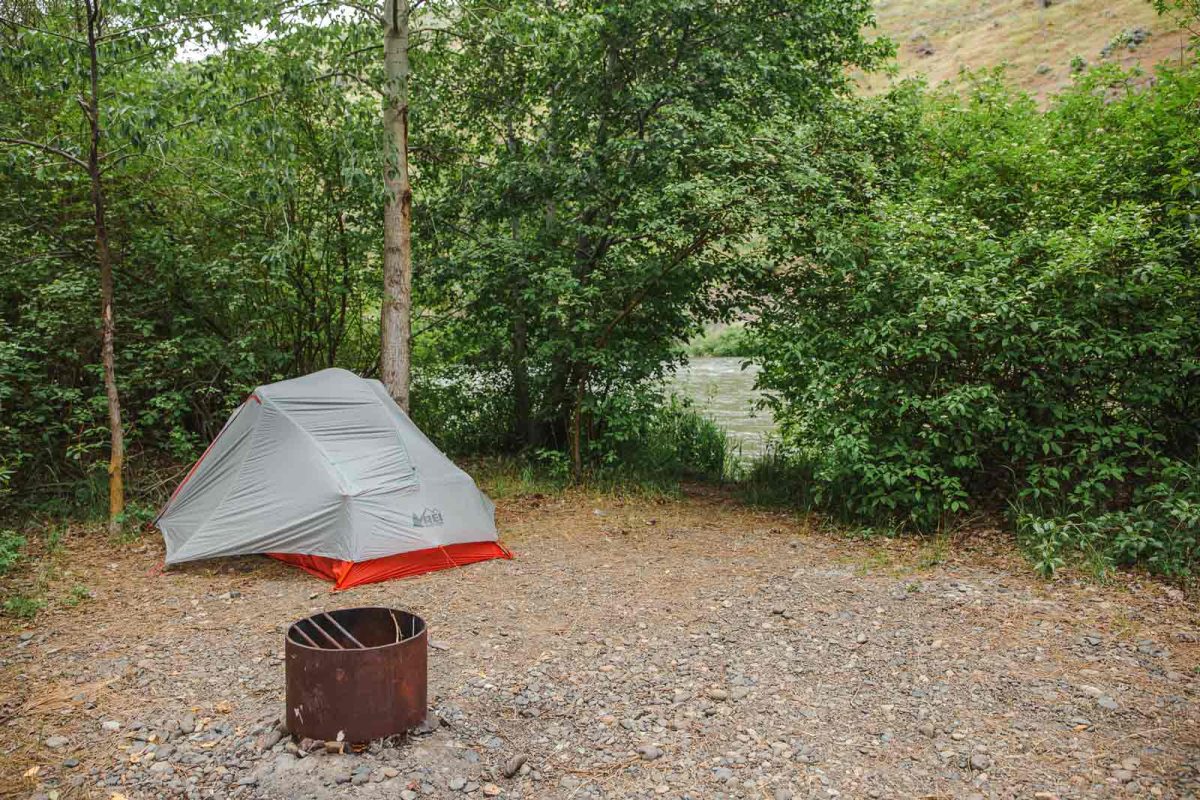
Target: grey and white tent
326 471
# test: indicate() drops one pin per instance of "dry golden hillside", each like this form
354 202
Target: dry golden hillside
938 38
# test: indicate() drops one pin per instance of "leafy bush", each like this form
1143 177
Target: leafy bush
462 410
1016 321
647 438
11 545
731 341
23 607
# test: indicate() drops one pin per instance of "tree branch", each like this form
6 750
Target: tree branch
64 37
45 148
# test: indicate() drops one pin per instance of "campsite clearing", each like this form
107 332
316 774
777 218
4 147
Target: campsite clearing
635 648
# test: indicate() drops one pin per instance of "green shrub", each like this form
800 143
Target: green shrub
730 341
463 410
11 546
1015 322
23 607
649 438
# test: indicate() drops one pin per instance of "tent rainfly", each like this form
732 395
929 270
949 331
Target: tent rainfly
327 473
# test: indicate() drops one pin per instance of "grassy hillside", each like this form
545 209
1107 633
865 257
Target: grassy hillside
938 38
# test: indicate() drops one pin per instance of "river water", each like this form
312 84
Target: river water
722 390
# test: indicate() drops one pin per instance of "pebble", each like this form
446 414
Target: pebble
514 764
980 761
649 752
1107 703
861 638
458 784
717 694
55 742
110 725
492 790
269 739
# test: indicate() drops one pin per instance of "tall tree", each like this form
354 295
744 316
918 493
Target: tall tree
623 175
395 353
87 40
67 62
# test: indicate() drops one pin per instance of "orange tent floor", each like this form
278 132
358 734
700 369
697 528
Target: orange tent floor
344 574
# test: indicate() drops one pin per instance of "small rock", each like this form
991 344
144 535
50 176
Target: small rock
408 794
71 763
457 784
1107 703
927 730
514 764
269 740
980 761
110 725
861 638
55 742
649 752
432 723
492 790
717 694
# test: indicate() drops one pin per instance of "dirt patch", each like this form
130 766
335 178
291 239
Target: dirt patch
635 648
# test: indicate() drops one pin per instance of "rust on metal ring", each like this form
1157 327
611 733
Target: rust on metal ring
356 674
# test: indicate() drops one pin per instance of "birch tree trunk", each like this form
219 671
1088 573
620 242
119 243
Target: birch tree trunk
91 109
395 354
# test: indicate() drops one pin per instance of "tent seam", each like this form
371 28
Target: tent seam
344 484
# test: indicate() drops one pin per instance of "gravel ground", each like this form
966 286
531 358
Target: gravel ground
635 648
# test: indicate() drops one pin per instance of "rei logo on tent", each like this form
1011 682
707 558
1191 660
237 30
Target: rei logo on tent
429 518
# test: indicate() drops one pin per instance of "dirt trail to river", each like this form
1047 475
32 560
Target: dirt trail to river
634 648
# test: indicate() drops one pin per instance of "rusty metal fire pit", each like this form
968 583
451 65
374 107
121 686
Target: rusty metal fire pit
356 674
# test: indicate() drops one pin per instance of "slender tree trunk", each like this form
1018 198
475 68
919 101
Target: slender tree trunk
395 353
577 428
91 108
526 429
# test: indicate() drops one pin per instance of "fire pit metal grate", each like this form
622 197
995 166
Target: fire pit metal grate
356 674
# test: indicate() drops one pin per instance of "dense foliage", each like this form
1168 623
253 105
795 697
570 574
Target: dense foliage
620 155
1013 317
582 172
